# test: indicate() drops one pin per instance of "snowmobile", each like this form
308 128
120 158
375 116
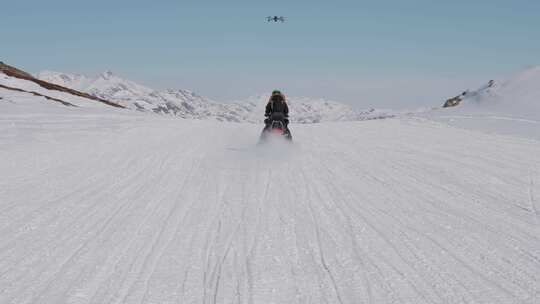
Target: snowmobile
276 127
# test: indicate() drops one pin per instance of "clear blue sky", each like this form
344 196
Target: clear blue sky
367 53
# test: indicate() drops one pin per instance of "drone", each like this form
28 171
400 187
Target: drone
276 19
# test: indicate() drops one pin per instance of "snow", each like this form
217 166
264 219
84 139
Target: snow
111 206
107 205
29 86
187 104
511 107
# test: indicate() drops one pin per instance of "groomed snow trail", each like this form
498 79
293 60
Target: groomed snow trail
145 210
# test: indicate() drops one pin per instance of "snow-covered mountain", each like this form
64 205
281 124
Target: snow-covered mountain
519 94
23 89
310 110
128 93
511 106
187 104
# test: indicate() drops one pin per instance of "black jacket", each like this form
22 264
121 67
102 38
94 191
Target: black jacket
276 106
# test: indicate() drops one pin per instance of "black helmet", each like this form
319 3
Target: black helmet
276 92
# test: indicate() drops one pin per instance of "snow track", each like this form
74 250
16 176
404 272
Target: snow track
149 210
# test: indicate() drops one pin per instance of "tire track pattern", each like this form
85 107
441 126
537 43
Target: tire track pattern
168 211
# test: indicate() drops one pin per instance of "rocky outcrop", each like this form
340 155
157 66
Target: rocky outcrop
455 101
14 72
37 94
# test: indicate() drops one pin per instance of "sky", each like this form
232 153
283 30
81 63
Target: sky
383 54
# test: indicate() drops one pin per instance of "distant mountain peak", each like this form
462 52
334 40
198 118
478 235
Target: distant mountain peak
27 83
107 74
188 104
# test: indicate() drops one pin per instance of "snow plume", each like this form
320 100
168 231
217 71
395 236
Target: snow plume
276 149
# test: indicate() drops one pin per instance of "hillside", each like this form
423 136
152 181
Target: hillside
18 81
24 90
186 104
510 107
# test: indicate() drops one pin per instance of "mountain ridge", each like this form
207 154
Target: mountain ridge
13 72
187 104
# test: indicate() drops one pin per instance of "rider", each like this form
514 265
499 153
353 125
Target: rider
276 104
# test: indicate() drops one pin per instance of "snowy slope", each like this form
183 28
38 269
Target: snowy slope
187 104
123 208
519 95
29 86
128 93
510 107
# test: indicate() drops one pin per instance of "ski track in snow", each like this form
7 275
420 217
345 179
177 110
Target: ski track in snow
151 210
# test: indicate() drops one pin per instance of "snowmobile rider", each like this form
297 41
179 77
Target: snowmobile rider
276 104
